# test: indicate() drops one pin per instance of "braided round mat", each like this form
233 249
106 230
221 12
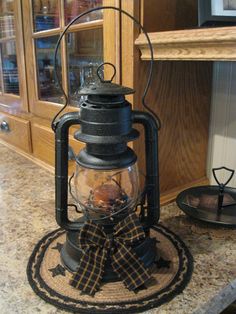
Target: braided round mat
50 280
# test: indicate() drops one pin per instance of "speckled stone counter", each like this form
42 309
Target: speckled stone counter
27 214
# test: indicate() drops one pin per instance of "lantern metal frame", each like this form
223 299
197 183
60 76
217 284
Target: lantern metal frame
150 213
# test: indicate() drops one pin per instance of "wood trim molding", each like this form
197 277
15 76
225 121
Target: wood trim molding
86 26
73 28
20 49
194 44
29 52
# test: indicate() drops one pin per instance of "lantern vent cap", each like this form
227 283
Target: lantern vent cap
105 87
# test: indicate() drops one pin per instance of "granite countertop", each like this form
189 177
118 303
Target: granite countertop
27 214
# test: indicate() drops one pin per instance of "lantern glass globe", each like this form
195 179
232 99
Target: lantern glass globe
101 193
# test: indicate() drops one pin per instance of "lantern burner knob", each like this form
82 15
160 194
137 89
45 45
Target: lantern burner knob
99 75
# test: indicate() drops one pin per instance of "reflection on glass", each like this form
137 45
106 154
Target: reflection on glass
76 7
45 14
9 67
0 84
7 21
85 53
47 88
101 193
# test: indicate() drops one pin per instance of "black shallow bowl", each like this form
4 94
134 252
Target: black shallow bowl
227 216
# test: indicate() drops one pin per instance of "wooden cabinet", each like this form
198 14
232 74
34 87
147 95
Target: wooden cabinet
180 92
180 95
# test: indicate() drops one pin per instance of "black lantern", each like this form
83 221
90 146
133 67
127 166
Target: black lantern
107 178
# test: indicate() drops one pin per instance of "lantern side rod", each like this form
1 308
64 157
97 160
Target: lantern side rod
53 123
61 170
152 169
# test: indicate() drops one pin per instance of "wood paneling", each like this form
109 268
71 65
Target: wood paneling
19 134
165 15
180 94
111 36
43 140
198 44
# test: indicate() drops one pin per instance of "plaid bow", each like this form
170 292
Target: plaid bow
95 245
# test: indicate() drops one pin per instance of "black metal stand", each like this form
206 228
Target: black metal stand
222 188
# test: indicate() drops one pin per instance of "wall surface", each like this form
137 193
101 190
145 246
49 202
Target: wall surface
180 94
222 134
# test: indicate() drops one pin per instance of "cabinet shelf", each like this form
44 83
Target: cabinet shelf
194 44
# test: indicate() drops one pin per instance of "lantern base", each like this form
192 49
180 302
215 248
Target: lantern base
71 254
50 281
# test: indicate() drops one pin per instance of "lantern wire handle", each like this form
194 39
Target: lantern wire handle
100 77
53 123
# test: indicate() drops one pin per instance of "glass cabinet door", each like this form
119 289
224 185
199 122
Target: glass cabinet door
84 55
74 8
45 15
81 50
9 81
48 89
10 76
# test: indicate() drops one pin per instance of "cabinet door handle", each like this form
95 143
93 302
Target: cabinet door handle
4 126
